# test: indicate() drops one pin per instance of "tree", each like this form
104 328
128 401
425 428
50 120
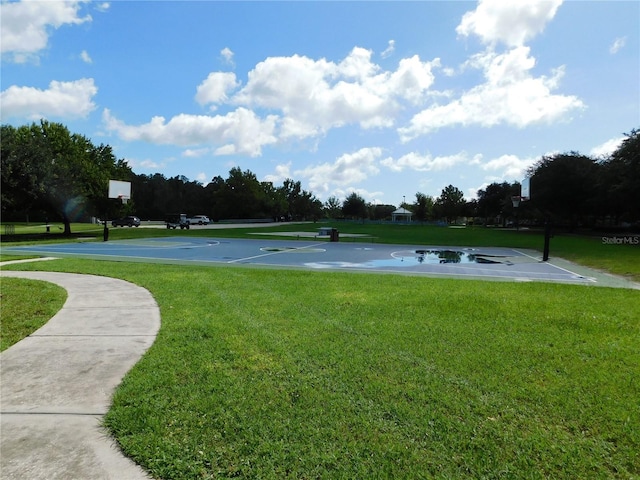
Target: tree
245 195
354 206
301 204
381 211
21 179
565 186
450 204
62 174
495 200
277 201
620 180
423 207
332 207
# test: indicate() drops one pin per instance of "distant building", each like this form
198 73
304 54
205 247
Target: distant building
401 215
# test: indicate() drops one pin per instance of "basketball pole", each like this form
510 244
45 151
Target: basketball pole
105 232
547 236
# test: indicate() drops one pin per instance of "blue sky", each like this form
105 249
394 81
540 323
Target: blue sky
386 99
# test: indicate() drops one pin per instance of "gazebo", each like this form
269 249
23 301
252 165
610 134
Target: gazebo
401 215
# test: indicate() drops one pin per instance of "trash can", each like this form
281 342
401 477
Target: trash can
334 235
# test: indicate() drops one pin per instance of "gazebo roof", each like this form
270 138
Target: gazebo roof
403 211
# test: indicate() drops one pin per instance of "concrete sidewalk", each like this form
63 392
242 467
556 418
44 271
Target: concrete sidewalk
57 384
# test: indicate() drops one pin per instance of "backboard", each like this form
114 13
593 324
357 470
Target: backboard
525 189
119 189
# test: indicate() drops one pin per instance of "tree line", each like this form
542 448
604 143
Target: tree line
49 173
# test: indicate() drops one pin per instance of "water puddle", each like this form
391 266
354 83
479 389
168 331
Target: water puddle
411 258
438 256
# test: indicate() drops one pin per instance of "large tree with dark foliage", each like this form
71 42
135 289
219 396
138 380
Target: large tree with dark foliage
495 200
49 170
300 203
423 207
619 181
451 203
565 187
354 206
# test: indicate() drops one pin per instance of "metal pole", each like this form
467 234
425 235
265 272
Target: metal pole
105 232
547 235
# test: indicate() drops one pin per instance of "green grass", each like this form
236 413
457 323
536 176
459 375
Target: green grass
26 305
261 373
23 228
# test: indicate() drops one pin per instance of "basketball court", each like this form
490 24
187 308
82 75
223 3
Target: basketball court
314 254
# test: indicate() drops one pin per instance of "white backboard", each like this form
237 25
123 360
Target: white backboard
525 189
119 189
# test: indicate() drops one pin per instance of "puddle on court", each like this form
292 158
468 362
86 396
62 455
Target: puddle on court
438 256
411 258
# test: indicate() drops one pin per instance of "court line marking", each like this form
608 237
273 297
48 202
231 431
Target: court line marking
500 274
526 255
590 279
477 270
275 253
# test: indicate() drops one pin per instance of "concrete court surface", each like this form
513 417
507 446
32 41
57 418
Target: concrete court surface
58 382
347 255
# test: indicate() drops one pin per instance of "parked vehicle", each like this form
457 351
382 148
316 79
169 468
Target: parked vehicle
129 221
200 220
175 220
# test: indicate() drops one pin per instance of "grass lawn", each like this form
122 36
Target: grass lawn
26 305
260 373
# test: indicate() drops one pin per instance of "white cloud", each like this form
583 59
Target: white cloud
216 87
317 95
26 25
509 22
412 78
424 163
508 167
308 97
103 7
237 132
343 193
607 148
195 152
202 177
227 55
282 172
146 164
389 50
347 169
510 95
84 55
617 45
62 100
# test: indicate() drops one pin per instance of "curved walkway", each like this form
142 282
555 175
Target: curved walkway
57 384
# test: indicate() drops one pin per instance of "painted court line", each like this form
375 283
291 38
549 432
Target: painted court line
581 277
268 254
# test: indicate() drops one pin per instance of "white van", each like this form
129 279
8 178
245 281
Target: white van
199 220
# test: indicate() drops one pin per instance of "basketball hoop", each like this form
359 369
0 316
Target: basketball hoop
120 190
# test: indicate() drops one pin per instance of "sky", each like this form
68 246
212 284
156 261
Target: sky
385 99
